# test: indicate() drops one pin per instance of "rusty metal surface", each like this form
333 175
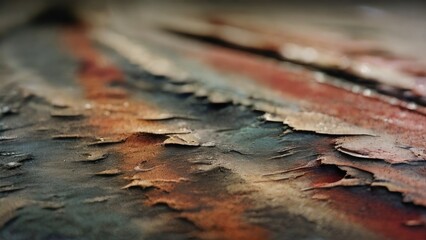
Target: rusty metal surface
140 120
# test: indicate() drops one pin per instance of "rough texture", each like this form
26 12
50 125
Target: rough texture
204 127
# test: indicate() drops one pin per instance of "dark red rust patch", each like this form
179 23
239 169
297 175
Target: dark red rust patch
351 107
375 213
370 209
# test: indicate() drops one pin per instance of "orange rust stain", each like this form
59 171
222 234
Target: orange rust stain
114 114
219 214
354 108
223 217
96 73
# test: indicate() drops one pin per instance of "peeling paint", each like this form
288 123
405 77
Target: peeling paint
179 139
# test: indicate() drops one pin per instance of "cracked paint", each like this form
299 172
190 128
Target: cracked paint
182 139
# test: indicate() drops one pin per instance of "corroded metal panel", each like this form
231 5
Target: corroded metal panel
141 120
